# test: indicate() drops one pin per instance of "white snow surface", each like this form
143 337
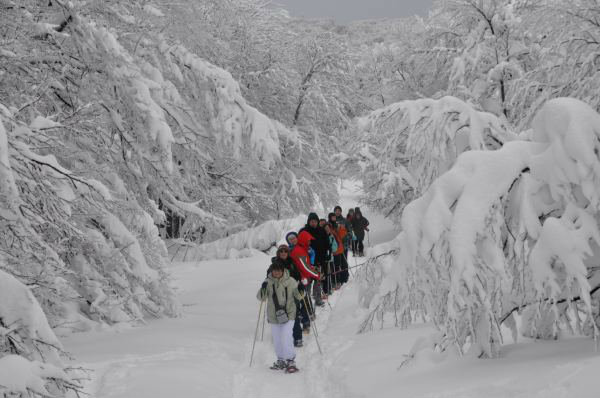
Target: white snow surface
206 352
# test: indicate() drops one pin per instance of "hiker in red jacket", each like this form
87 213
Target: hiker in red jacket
299 245
300 257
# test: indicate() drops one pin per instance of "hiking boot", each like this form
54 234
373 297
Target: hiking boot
298 343
291 366
280 364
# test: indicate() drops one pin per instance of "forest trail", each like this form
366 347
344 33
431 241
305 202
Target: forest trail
207 350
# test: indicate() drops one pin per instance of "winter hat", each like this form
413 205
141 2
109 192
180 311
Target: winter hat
337 207
287 237
351 211
284 246
312 216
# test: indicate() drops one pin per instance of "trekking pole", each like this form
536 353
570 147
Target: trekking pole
256 332
314 326
317 337
262 334
312 322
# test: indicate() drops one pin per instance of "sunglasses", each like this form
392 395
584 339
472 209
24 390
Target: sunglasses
283 251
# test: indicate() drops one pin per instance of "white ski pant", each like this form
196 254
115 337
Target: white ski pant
283 340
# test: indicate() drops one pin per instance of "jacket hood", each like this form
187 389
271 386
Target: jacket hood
304 239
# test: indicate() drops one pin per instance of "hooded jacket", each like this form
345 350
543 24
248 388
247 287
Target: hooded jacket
301 258
286 289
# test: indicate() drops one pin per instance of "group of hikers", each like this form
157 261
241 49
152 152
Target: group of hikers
312 265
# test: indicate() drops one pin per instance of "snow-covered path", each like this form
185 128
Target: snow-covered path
199 352
206 352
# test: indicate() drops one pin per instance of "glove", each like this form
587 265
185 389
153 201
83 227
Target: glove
263 288
366 228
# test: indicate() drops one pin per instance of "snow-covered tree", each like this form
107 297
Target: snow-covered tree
503 231
401 149
491 48
109 128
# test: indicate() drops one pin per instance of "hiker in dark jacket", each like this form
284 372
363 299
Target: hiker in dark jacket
359 225
320 245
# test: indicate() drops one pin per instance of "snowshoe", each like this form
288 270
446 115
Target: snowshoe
298 343
291 367
280 364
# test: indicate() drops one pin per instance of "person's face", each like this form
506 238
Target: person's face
313 223
338 212
322 223
293 240
277 273
283 254
333 221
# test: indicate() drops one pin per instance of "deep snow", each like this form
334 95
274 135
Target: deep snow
206 352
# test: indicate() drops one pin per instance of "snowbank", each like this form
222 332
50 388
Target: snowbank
241 244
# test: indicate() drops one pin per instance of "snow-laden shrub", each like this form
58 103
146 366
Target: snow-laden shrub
505 230
30 353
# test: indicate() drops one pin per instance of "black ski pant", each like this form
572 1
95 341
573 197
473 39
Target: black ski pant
360 247
326 282
297 332
343 275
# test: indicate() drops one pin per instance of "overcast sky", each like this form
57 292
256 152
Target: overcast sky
351 10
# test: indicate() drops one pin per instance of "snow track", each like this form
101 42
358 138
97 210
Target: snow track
316 377
207 350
